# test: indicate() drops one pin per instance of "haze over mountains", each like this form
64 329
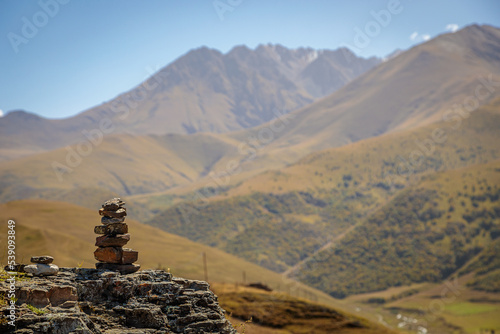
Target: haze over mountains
202 91
417 87
281 217
378 166
420 86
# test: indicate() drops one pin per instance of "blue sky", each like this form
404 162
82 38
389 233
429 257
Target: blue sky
79 53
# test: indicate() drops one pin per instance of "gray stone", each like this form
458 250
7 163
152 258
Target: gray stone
122 268
113 204
110 220
17 267
68 304
145 317
121 212
111 228
41 269
44 259
83 300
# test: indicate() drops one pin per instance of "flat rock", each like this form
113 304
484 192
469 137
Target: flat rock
109 220
113 204
117 240
44 259
42 269
129 256
122 268
116 255
111 229
121 212
68 304
108 254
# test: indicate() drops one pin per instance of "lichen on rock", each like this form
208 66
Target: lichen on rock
79 300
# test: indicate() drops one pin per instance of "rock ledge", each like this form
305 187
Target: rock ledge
79 300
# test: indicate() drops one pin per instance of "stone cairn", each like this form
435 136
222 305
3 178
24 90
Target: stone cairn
111 254
42 266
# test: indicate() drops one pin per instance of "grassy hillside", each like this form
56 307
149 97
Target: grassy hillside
279 218
65 231
449 307
272 312
426 233
123 164
487 265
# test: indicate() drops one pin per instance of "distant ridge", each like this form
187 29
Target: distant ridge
428 83
425 84
202 91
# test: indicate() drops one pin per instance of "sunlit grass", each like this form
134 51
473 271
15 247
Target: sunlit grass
465 308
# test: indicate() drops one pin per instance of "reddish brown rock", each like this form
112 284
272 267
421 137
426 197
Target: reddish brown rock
61 294
121 212
108 254
111 229
110 240
38 297
52 293
116 255
129 256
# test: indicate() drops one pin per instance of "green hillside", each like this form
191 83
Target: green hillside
487 265
66 232
279 218
272 312
425 234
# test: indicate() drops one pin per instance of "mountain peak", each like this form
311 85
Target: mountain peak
484 28
21 115
205 91
393 54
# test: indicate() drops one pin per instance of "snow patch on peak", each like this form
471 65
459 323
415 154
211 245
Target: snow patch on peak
312 56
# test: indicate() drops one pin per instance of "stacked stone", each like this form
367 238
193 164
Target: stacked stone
111 254
42 266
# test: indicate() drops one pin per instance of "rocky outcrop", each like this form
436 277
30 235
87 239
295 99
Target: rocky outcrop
79 300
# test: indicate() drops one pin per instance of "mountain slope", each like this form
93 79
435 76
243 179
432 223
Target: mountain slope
433 81
429 73
124 164
425 234
272 312
202 91
280 218
65 231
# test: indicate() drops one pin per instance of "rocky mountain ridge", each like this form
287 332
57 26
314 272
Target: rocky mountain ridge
204 90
